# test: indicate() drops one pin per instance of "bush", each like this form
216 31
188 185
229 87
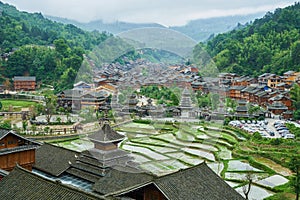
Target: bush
226 121
5 125
256 136
276 141
142 121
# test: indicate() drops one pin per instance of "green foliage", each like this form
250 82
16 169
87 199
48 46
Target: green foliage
211 100
295 182
270 44
5 125
163 94
88 114
32 37
295 96
293 129
142 121
226 121
50 106
22 28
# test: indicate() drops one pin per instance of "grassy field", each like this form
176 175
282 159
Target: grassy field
17 104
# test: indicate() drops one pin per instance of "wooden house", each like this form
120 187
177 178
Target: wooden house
243 81
241 109
26 83
290 77
15 149
287 101
274 80
277 108
235 92
261 98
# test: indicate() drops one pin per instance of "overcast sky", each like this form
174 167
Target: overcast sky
166 12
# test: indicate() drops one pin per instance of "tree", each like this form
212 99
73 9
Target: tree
295 96
50 106
24 124
248 183
62 47
295 182
58 119
295 53
7 84
0 105
253 109
231 104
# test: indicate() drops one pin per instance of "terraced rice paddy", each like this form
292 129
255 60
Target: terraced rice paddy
163 149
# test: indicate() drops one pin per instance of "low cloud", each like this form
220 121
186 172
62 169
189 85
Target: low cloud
167 12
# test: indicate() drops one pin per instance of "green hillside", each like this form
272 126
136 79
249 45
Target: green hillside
27 40
270 44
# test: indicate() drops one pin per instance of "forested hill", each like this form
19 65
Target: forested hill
21 28
270 44
26 47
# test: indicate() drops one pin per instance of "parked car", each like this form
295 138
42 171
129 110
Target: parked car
278 125
282 128
289 136
284 133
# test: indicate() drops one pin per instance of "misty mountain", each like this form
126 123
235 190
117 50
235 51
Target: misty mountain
114 27
202 29
199 30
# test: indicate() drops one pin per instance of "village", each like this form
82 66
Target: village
126 129
266 96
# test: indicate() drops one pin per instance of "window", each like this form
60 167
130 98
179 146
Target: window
11 142
2 144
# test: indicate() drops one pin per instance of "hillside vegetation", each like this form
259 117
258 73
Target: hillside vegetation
270 44
28 41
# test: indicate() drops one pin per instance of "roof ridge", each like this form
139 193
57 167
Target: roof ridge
182 170
55 182
50 144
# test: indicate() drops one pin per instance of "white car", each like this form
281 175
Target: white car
289 136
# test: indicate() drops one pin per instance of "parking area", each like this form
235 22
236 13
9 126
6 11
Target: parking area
268 128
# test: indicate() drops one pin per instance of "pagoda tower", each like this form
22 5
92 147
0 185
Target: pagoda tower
186 104
105 155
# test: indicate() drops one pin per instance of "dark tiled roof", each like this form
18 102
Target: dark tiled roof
279 97
24 78
3 173
54 160
197 183
101 155
17 149
237 88
119 181
3 133
22 184
106 135
82 174
241 109
248 89
277 106
72 93
261 94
